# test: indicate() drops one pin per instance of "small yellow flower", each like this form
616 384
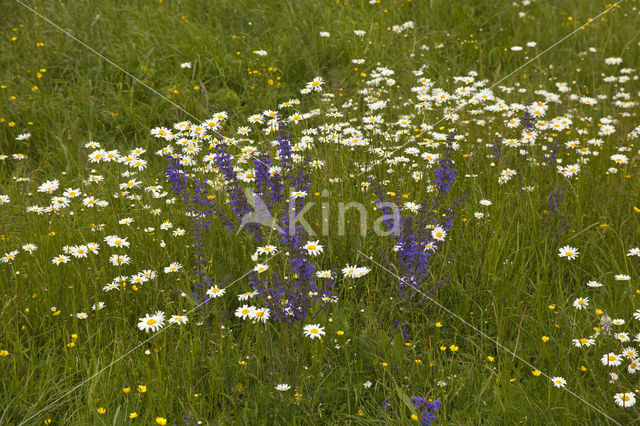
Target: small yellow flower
545 339
74 336
340 332
453 348
384 364
599 311
142 388
414 417
47 421
101 410
551 307
161 420
4 352
490 358
361 413
438 324
635 209
133 415
418 361
583 368
126 390
407 344
536 373
512 380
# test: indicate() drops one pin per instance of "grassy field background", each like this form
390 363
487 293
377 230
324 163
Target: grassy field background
504 275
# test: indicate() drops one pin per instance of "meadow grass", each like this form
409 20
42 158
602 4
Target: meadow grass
503 273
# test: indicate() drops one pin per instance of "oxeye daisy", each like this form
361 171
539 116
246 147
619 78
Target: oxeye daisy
581 303
314 331
568 252
260 314
349 271
260 267
559 382
323 274
119 259
362 271
115 241
178 319
269 249
313 248
151 322
626 399
60 259
244 311
630 352
583 342
173 267
623 337
247 295
282 387
9 256
611 359
438 233
215 292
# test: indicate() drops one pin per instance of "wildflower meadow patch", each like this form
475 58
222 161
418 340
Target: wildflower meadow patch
349 212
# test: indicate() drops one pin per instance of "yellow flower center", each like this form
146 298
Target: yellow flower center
151 321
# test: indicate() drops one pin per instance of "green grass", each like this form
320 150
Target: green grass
504 270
